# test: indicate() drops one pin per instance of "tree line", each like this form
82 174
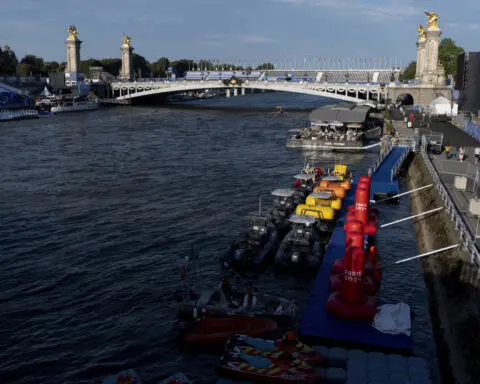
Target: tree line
31 65
448 52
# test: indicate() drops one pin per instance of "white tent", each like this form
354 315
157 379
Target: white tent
45 92
442 106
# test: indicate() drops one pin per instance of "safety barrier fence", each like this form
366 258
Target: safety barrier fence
396 168
467 236
18 114
385 149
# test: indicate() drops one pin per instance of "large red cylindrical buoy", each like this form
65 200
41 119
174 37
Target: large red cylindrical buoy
352 286
355 239
368 285
362 199
364 179
370 270
351 208
364 311
353 226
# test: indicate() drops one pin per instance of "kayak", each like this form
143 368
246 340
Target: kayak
125 377
297 350
243 366
178 378
217 330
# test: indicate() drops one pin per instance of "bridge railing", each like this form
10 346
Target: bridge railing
467 237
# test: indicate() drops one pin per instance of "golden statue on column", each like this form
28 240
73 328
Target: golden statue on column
72 32
432 18
422 34
126 41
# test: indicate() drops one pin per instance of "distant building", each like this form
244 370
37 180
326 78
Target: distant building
467 81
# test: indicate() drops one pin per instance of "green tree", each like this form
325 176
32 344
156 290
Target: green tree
23 69
8 61
140 66
265 66
50 67
160 67
111 66
182 66
409 72
448 52
33 63
86 64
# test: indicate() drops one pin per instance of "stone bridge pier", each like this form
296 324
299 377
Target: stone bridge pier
421 94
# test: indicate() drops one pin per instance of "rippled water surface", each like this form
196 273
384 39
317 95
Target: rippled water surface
95 210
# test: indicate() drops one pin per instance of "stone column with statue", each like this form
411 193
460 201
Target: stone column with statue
127 50
432 72
73 50
422 39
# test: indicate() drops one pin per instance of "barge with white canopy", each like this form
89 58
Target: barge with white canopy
340 127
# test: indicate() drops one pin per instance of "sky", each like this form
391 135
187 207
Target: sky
250 31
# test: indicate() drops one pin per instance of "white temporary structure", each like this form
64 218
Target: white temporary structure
442 106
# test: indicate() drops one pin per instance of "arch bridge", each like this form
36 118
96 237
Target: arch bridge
346 92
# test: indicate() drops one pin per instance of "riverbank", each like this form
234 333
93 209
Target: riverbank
452 284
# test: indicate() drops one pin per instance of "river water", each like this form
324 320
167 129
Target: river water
96 208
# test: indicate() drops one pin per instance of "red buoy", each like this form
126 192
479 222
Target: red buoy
368 285
355 239
353 226
362 200
297 184
354 260
352 303
370 270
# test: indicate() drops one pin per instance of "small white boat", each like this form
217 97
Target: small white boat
78 104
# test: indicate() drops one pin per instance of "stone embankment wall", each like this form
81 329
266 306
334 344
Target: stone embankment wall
452 283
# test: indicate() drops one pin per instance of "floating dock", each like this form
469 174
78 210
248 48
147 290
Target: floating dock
316 323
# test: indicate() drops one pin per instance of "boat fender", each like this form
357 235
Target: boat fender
195 313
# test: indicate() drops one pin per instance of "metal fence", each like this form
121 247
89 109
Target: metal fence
385 149
467 237
396 168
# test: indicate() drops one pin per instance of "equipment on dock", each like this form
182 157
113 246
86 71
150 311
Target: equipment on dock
339 191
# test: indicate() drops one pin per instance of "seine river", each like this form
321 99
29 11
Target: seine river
96 209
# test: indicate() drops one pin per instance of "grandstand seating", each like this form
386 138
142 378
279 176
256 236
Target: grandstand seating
356 76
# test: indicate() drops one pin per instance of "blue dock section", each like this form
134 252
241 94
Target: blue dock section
316 322
381 179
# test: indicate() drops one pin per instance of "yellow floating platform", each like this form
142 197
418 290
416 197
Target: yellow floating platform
324 199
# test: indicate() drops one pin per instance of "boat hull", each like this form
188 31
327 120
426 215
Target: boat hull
75 108
215 331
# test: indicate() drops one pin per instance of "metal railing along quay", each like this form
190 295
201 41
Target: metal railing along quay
466 236
18 114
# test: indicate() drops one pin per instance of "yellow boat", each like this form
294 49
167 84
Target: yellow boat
324 199
319 212
339 191
335 181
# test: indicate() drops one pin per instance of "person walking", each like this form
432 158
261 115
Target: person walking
447 151
477 155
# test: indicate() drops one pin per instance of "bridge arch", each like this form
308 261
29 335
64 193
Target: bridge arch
405 99
345 92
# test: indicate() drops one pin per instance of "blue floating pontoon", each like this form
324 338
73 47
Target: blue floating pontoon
316 323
